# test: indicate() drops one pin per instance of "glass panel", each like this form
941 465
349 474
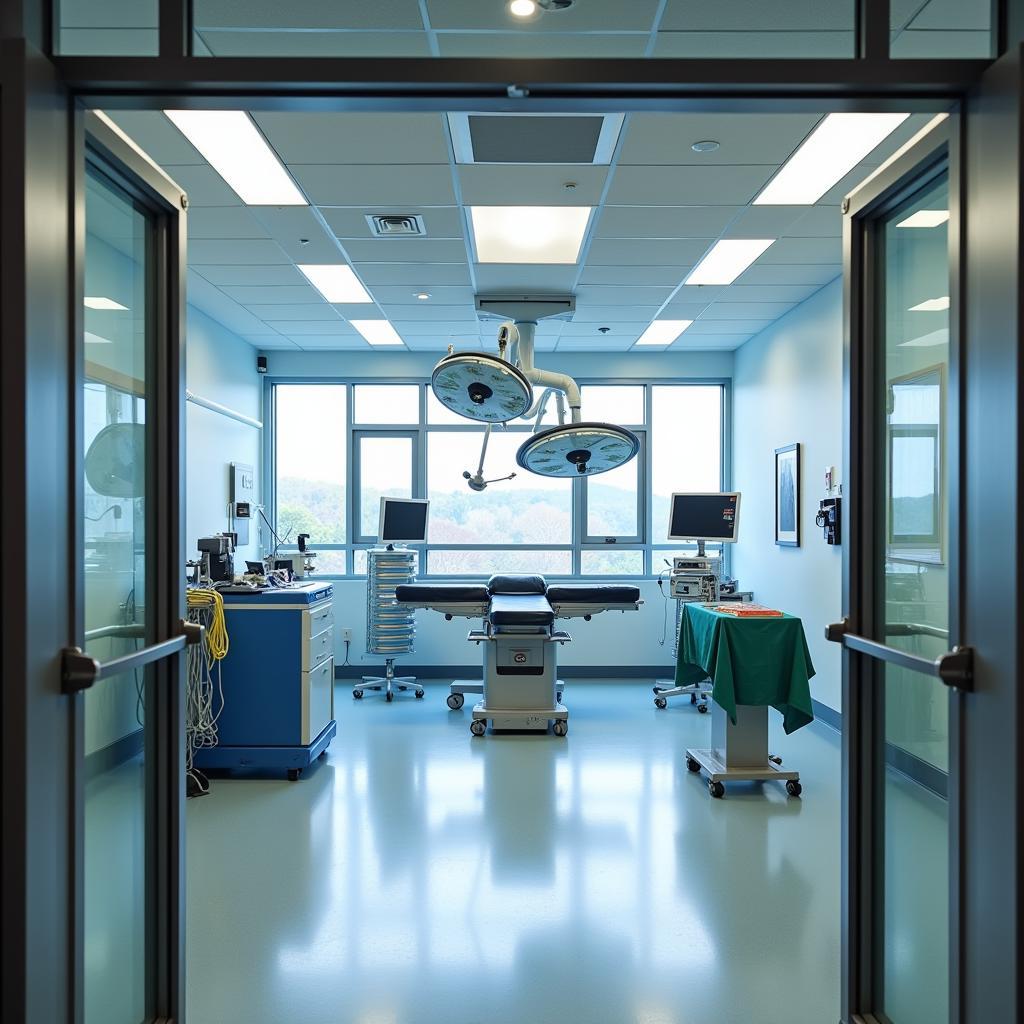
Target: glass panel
386 403
483 563
621 404
530 509
686 445
612 563
310 457
914 944
108 28
330 562
612 502
360 561
938 28
385 470
467 28
114 589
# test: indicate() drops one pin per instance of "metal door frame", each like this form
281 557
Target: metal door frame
862 631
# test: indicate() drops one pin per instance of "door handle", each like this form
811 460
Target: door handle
955 668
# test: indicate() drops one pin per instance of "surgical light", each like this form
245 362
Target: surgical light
336 282
832 150
481 386
727 260
237 151
578 449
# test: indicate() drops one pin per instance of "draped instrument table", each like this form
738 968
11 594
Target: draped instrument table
754 663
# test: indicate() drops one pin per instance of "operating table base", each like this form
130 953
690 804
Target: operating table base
531 719
457 697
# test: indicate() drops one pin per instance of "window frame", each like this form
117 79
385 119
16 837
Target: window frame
580 542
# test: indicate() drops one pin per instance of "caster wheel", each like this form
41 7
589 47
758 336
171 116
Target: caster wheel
358 694
293 774
559 727
702 709
656 689
716 789
660 702
478 727
693 698
389 697
455 701
692 765
419 694
793 788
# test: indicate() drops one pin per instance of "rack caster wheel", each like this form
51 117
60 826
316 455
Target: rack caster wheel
455 701
389 696
293 774
559 727
419 694
702 709
793 788
660 702
692 765
716 789
656 689
478 727
358 694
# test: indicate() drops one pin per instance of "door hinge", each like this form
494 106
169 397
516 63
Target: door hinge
835 631
78 670
192 632
956 668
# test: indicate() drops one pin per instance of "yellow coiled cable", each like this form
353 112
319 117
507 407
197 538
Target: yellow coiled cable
217 630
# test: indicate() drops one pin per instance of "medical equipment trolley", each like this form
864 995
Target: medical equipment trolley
278 680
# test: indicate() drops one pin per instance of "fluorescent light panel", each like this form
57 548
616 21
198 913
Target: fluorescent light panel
336 282
931 305
95 339
377 332
528 234
925 219
237 151
727 260
663 332
832 150
101 302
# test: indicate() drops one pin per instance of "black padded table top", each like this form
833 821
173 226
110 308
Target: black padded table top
521 610
583 593
516 583
439 593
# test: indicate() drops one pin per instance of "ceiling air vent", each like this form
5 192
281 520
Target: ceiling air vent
398 225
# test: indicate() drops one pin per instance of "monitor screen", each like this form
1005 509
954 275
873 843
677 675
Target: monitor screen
403 521
704 517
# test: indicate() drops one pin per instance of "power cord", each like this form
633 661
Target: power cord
205 693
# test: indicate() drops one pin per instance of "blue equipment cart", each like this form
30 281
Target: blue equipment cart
278 680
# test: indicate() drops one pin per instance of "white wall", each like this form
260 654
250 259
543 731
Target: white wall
787 387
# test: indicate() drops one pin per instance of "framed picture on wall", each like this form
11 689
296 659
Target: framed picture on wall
787 496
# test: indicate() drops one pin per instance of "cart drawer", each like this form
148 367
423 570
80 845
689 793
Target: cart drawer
320 617
317 700
317 648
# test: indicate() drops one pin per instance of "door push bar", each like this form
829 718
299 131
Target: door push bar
955 668
79 671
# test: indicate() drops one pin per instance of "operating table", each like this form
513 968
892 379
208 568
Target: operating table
520 688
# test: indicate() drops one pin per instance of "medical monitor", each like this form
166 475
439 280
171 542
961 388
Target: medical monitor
704 517
403 521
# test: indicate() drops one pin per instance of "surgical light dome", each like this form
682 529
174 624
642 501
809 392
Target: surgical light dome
481 386
578 449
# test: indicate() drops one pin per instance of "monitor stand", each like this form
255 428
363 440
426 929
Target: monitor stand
700 549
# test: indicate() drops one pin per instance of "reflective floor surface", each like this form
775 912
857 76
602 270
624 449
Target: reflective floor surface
423 876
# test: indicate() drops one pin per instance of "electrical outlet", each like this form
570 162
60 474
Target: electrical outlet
346 635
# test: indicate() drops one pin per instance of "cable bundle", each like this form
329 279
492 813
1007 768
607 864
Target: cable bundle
204 696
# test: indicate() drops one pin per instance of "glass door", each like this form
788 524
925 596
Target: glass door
126 672
903 671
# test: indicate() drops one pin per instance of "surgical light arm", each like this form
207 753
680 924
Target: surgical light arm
477 481
522 335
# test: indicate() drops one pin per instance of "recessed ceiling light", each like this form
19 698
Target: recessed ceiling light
377 332
336 282
833 149
522 8
663 332
95 339
931 305
423 296
925 219
727 260
705 146
237 151
101 302
529 234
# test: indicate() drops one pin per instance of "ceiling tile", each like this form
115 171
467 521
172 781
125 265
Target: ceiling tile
615 314
235 251
388 189
721 185
764 15
224 222
203 185
415 275
664 221
678 310
804 250
742 138
354 138
315 343
439 221
302 328
283 274
511 278
594 15
818 222
754 45
429 313
156 135
439 296
593 295
764 311
533 45
625 251
737 293
272 295
583 329
736 327
530 184
806 273
407 250
645 275
299 232
764 221
283 43
310 14
300 312
438 328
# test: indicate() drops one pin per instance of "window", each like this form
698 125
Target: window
339 447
